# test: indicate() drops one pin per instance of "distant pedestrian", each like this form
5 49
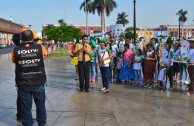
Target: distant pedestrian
84 52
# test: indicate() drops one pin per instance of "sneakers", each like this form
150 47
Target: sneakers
102 89
150 86
126 83
178 81
145 86
106 91
187 82
92 80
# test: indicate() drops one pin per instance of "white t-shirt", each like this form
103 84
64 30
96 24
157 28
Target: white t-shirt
190 56
119 63
100 53
114 48
131 46
121 46
137 66
176 54
162 72
167 56
149 53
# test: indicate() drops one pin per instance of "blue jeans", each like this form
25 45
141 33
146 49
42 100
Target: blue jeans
118 72
156 72
104 73
110 74
93 69
137 75
186 74
25 94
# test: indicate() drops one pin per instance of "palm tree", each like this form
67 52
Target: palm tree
121 19
104 8
87 5
182 19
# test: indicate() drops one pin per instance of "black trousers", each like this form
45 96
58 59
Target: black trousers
83 69
169 74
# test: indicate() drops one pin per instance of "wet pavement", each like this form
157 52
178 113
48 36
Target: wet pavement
123 106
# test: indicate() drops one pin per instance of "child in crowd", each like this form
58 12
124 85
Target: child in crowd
93 61
137 67
162 76
118 66
127 70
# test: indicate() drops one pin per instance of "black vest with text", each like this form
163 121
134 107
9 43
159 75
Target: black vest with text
29 65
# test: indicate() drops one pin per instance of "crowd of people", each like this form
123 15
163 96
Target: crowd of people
121 60
139 64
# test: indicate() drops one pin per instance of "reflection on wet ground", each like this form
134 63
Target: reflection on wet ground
123 106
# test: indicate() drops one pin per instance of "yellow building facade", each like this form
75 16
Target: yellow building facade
147 35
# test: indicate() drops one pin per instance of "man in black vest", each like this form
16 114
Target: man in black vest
30 78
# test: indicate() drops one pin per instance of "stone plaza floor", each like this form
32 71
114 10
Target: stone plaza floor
123 106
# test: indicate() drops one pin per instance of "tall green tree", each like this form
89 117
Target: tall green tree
88 7
104 8
122 19
182 19
63 32
130 29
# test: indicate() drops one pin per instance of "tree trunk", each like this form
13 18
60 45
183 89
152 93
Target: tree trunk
182 29
102 22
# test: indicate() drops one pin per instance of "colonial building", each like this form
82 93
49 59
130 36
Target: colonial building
173 31
7 29
146 35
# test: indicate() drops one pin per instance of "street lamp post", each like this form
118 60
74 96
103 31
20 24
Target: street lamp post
134 21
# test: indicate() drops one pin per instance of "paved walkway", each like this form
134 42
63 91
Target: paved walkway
123 106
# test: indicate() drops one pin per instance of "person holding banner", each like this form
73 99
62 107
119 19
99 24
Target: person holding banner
104 56
190 62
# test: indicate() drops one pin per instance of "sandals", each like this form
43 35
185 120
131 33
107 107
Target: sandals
188 93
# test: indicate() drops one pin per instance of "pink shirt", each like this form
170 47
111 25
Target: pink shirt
128 55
